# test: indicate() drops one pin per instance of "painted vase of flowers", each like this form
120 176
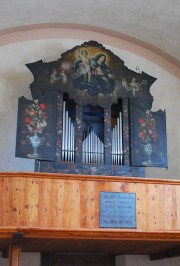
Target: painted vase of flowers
147 134
35 141
148 149
36 121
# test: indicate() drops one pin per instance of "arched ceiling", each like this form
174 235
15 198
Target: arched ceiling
155 22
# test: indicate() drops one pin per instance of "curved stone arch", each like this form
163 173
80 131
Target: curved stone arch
108 37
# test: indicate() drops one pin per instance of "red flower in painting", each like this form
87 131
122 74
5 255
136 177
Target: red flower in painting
142 135
147 129
37 118
27 120
141 120
42 106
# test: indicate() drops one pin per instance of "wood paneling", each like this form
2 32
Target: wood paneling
63 201
61 208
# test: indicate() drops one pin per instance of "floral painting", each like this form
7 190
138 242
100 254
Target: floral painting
36 119
148 137
147 127
35 133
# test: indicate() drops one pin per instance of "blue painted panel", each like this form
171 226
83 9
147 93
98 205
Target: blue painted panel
117 210
148 137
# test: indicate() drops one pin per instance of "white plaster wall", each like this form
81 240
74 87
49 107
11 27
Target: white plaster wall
3 262
120 260
141 260
30 259
26 259
15 79
144 261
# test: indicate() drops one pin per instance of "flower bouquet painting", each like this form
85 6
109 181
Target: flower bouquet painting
36 121
147 133
148 137
35 133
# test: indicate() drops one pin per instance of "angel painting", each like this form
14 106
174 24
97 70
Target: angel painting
133 86
93 74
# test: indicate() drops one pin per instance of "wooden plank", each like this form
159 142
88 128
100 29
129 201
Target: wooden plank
84 211
1 200
73 203
154 207
14 256
45 204
141 206
104 234
63 176
15 249
57 201
169 208
30 193
92 205
177 207
66 205
7 219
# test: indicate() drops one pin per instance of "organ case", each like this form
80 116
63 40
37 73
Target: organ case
94 127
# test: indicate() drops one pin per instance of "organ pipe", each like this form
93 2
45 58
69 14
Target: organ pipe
68 137
117 148
92 148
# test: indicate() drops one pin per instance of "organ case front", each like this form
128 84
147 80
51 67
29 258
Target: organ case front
94 93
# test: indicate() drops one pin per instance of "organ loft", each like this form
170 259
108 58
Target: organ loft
91 115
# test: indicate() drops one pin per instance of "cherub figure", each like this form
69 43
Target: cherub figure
133 86
84 67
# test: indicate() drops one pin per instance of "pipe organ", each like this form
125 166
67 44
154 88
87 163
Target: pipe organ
90 114
92 145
